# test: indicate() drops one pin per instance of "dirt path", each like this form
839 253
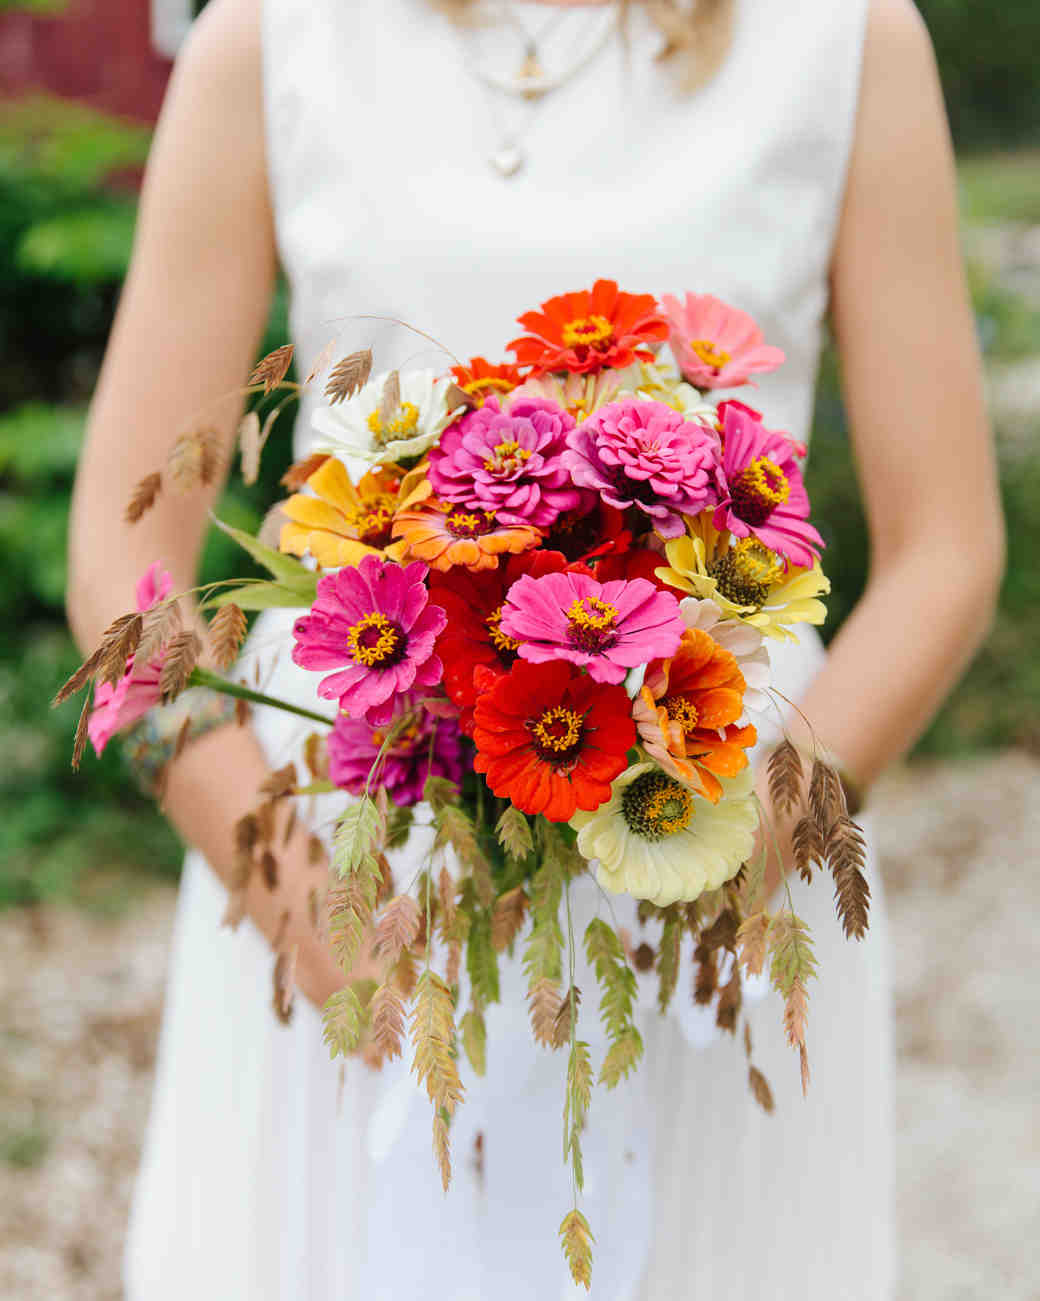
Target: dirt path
80 1000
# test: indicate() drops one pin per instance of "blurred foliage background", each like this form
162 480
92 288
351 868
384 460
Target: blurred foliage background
67 204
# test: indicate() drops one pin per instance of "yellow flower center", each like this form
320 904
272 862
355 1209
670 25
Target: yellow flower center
711 355
374 519
489 383
681 710
506 458
469 524
759 489
591 623
745 572
588 331
403 425
375 641
498 638
656 805
557 730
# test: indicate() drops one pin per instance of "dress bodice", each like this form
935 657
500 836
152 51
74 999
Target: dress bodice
379 134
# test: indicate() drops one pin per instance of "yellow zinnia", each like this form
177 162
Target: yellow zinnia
746 580
338 523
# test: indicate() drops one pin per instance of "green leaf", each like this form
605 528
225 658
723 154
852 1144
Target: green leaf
265 596
88 247
474 1040
287 570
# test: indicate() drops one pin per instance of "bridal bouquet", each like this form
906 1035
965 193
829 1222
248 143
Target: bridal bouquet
539 597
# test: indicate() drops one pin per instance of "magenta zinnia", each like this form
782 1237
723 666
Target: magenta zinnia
507 461
608 627
764 493
643 454
376 626
414 745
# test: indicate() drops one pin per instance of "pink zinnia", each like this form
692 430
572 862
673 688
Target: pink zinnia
116 707
507 461
764 493
377 621
425 746
608 627
715 345
642 453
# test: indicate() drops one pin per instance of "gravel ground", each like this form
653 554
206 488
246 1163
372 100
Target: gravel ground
80 1000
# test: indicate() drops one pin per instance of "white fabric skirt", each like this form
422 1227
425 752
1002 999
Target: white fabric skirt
271 1173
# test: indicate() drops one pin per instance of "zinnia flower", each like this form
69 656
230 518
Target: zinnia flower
606 627
579 395
507 461
764 494
481 379
687 711
589 330
117 707
355 429
716 346
551 739
743 641
659 383
798 448
422 746
474 649
338 523
644 454
746 581
445 535
376 621
590 530
656 840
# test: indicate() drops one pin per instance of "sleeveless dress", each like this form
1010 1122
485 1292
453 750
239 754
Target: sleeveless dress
272 1174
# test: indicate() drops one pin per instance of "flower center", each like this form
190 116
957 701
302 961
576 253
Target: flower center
591 623
710 354
557 734
376 642
374 520
655 806
759 489
745 572
469 524
403 425
506 458
589 331
681 710
499 640
489 383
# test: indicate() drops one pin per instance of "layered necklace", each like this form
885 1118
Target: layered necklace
539 71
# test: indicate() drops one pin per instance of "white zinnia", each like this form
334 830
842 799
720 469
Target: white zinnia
744 642
702 854
660 383
352 428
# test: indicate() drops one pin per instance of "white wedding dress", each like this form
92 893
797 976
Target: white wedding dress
271 1175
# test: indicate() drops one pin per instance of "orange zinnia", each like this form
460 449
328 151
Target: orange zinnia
589 330
341 523
445 535
483 379
687 711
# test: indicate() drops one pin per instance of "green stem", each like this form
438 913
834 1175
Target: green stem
204 678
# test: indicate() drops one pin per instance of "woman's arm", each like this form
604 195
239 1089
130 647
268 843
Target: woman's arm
189 321
913 389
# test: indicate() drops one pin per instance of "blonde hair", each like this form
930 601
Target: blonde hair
697 33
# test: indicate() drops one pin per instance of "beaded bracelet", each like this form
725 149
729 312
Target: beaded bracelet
153 741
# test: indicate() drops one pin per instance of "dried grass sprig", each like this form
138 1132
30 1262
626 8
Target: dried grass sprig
785 777
195 459
388 1021
118 647
143 497
227 630
807 846
543 1006
846 854
668 957
577 1240
826 795
272 369
284 983
564 1021
181 657
760 1089
507 919
349 375
397 928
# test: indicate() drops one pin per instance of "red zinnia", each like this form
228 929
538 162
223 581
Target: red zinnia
482 379
640 562
551 739
473 648
589 330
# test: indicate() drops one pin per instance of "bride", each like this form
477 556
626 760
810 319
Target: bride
452 169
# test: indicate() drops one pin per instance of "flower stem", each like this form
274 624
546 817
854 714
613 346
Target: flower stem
204 678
